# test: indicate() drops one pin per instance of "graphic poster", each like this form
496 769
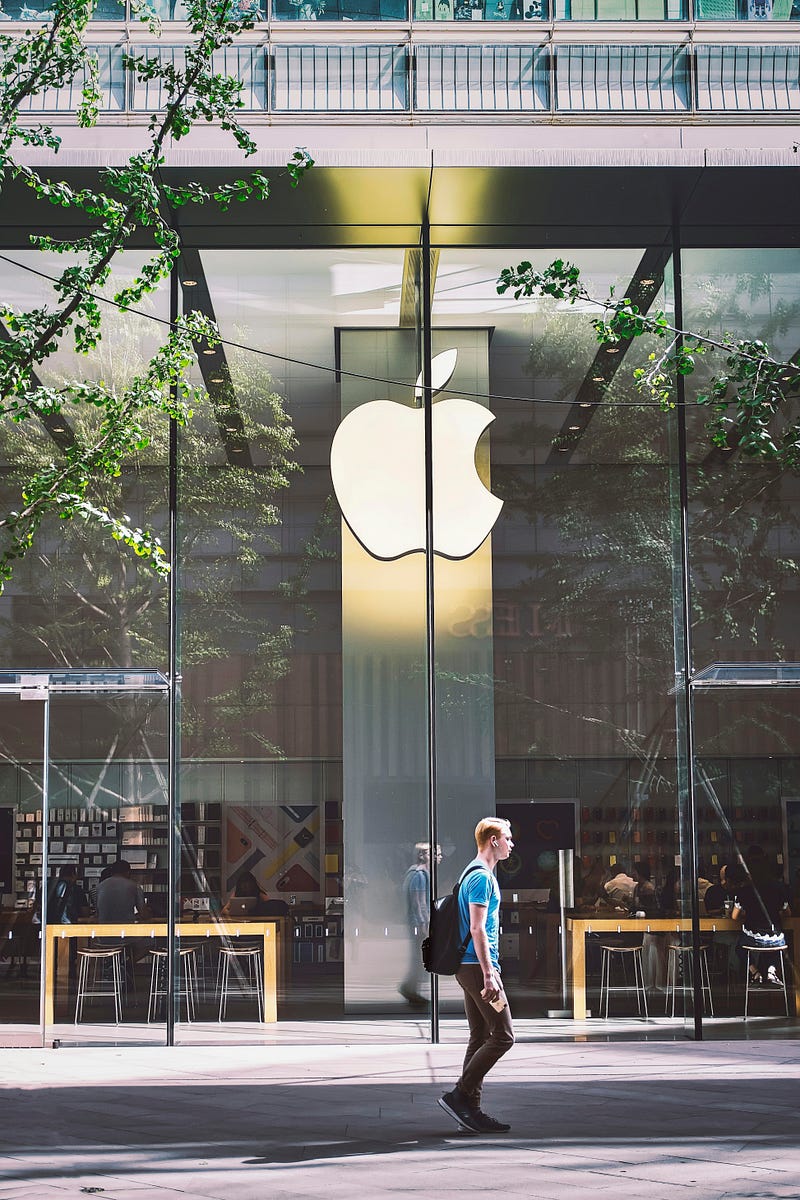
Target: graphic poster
279 845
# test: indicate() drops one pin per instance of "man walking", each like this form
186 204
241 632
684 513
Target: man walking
491 1032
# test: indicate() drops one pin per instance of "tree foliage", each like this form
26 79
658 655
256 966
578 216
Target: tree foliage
128 201
749 397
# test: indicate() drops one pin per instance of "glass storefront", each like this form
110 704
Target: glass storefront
280 863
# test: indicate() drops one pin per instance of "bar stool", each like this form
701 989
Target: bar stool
679 958
248 976
187 981
626 954
94 980
752 986
204 976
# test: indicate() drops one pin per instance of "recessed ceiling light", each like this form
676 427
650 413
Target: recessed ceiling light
647 282
216 379
585 404
190 283
612 349
562 449
209 350
726 449
574 428
598 379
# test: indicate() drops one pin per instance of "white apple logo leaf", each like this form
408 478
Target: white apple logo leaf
378 472
442 368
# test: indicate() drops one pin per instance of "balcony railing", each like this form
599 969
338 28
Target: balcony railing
426 11
622 79
339 79
425 80
481 79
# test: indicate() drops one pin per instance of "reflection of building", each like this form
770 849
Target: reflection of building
660 162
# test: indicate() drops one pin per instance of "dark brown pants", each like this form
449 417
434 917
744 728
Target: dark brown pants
491 1033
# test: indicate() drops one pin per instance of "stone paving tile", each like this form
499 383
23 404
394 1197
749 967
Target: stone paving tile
617 1121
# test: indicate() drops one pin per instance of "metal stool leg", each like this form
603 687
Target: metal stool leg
747 986
117 971
82 974
638 974
706 987
223 992
152 1004
783 980
259 970
604 969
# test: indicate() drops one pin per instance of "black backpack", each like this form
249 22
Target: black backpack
443 948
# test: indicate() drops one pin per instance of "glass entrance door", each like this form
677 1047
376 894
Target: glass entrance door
21 806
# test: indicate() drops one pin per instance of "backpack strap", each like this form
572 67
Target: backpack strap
456 890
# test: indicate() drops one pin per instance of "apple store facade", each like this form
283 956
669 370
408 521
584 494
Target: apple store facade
434 558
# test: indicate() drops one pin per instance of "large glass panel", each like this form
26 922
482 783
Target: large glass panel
340 10
621 10
554 641
175 10
481 10
744 545
107 859
745 10
21 825
303 652
31 11
744 526
79 599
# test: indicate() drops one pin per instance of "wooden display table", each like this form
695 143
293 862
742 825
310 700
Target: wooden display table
579 926
228 930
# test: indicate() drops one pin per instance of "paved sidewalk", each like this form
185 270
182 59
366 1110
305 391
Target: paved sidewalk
653 1120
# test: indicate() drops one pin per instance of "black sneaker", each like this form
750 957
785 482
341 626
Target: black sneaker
488 1124
456 1106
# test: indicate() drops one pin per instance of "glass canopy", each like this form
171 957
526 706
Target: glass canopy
83 681
748 675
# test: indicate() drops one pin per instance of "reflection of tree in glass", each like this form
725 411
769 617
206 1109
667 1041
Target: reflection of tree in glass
90 604
601 555
744 526
593 570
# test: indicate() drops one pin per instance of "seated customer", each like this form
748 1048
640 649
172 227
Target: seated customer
619 888
119 899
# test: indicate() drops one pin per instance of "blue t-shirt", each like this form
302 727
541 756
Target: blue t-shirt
480 887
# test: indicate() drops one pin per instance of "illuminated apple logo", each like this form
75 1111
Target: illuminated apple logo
378 470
